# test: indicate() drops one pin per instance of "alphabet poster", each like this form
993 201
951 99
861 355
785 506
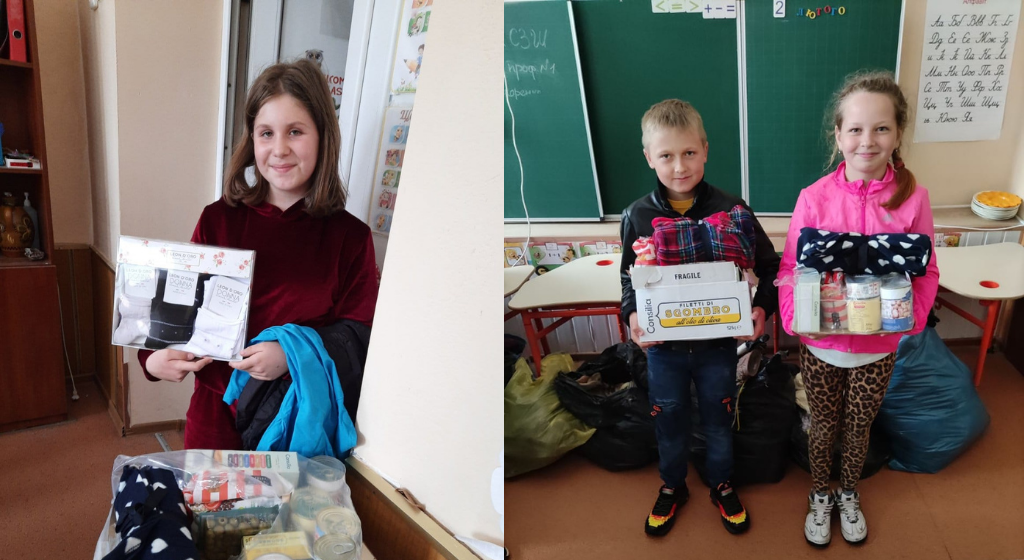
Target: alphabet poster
965 69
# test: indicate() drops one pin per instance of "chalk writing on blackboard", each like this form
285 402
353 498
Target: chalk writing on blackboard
965 68
525 77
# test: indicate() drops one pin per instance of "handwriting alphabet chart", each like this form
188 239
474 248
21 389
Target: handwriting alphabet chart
965 69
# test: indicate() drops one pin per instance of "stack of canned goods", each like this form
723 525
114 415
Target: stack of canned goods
321 510
338 534
305 504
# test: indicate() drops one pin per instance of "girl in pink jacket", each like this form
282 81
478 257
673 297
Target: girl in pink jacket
846 376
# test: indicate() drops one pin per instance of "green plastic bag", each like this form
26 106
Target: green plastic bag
538 429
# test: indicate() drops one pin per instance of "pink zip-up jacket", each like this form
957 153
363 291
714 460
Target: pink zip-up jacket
834 204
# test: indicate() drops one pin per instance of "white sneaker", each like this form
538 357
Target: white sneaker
817 527
851 518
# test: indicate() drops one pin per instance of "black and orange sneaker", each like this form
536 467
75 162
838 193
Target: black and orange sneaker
663 515
734 516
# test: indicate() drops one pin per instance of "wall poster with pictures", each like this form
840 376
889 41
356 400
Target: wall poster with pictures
390 158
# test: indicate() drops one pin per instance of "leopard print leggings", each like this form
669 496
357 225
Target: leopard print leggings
852 395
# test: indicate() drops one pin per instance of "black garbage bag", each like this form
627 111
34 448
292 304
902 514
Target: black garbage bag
879 451
604 395
514 347
765 414
586 392
629 442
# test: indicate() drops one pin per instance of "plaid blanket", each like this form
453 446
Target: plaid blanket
723 236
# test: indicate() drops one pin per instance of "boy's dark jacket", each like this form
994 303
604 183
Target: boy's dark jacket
636 222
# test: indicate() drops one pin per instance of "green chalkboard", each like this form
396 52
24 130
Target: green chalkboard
550 127
630 57
633 58
793 66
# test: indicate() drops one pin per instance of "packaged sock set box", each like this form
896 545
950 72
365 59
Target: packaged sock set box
182 296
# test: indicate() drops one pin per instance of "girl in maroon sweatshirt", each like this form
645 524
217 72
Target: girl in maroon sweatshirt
314 261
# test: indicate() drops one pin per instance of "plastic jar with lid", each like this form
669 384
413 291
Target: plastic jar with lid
897 303
864 303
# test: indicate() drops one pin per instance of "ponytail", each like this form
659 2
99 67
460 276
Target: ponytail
905 182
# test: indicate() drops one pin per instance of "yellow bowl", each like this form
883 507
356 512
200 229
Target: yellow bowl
998 199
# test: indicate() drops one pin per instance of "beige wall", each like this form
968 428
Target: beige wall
64 120
429 418
99 63
1017 182
954 171
151 73
168 70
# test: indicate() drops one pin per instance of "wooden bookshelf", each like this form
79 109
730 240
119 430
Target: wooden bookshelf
32 390
15 63
20 170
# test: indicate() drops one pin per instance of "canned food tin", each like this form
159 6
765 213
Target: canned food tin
335 547
862 287
306 503
325 473
338 521
865 315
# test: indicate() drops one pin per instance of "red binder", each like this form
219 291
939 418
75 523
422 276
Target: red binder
16 30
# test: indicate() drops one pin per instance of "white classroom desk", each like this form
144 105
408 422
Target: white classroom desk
989 273
584 287
515 277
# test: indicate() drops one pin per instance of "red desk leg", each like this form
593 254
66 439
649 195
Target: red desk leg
538 324
532 339
536 332
986 336
988 327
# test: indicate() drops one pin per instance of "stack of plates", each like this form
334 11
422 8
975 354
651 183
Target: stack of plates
995 205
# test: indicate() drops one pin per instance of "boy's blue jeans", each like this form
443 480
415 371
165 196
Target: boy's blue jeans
713 370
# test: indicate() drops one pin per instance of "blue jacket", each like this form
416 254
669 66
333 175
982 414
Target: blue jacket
312 419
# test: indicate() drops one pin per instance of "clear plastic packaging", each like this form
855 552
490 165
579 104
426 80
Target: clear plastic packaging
265 513
182 296
855 304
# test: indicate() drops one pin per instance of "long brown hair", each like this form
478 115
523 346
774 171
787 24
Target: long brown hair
885 84
306 83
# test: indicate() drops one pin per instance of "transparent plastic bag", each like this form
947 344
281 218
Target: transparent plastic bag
274 503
